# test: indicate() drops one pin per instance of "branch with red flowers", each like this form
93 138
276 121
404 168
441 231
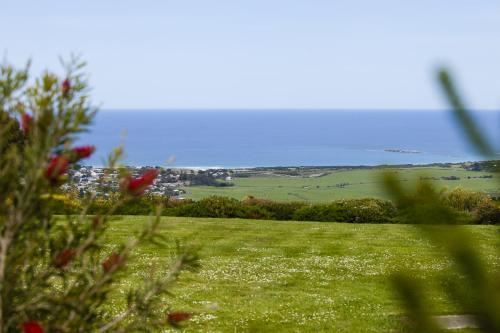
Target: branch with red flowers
52 276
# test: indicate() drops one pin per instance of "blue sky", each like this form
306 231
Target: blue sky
264 53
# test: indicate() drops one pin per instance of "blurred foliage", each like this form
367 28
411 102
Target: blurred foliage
436 215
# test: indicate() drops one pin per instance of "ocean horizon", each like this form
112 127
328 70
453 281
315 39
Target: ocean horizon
245 138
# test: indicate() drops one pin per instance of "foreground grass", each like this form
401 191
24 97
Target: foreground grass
270 276
357 183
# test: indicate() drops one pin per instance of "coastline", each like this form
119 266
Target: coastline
307 167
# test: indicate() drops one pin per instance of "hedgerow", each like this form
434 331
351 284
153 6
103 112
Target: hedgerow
470 208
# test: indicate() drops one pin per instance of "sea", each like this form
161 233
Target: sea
272 138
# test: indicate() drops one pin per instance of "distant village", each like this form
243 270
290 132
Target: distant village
170 182
173 182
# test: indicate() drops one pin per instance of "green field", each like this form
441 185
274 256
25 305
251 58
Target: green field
360 183
270 276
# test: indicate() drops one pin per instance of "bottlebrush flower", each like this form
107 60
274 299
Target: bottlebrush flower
64 258
65 87
176 317
58 166
26 123
32 327
113 260
137 186
82 152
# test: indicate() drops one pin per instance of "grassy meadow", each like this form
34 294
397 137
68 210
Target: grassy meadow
357 183
275 276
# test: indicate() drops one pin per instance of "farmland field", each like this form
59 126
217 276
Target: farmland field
270 276
339 184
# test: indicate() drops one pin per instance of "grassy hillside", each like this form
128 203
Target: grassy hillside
357 183
270 276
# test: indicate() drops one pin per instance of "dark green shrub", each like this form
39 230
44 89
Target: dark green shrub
464 200
213 206
140 206
256 212
487 213
217 206
282 211
351 210
188 209
366 210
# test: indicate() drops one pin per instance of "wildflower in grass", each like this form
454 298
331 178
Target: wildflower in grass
176 317
58 166
65 87
64 258
26 123
32 327
82 152
137 186
113 260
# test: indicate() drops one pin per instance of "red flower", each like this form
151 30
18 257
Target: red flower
26 123
64 258
32 327
176 317
137 186
57 167
113 260
65 87
82 152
